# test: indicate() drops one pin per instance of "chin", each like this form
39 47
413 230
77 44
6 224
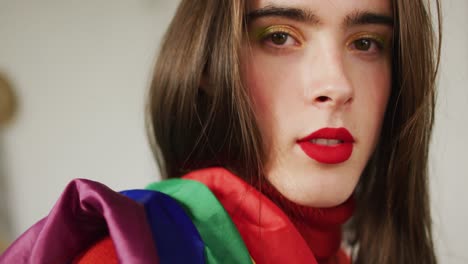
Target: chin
320 191
325 200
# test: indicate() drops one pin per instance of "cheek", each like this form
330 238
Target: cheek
380 91
254 82
371 83
270 87
373 86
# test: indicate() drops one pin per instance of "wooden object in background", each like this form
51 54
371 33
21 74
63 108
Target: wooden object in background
8 105
7 101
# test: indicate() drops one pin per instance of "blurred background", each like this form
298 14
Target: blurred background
79 70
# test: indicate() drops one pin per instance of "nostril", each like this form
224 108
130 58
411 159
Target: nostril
322 99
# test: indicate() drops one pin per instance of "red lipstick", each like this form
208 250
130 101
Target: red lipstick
328 145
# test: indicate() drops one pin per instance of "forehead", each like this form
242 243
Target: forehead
328 9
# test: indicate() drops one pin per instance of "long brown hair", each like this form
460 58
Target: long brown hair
392 223
200 115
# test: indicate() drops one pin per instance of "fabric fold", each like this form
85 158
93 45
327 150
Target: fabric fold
267 232
223 243
86 212
176 237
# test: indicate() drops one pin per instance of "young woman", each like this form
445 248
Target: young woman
295 116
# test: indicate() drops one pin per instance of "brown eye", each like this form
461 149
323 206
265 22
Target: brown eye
363 44
279 38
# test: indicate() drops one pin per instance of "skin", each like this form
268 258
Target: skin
326 73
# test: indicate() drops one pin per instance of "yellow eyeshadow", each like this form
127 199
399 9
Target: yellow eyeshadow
263 33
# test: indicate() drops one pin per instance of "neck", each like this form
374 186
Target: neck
320 227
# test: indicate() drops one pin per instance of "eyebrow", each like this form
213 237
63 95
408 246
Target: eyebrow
307 16
297 14
365 18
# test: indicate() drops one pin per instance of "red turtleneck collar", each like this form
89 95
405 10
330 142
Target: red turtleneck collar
320 227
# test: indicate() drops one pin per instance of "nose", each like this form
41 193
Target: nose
330 85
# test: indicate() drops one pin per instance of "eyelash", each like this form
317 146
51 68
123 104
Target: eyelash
375 40
266 35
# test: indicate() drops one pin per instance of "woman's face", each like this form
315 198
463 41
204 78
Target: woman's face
319 76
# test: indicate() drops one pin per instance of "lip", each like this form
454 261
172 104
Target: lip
328 154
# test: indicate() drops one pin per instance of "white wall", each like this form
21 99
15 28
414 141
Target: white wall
81 69
449 160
